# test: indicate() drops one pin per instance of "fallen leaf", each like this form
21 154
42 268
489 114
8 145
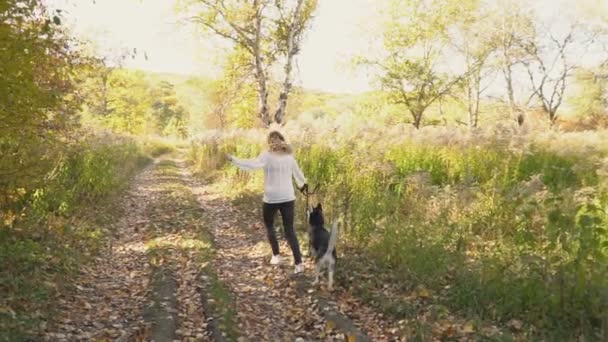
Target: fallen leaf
423 293
515 324
468 327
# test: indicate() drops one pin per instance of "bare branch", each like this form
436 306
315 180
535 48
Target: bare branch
215 29
222 12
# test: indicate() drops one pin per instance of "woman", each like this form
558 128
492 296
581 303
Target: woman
279 166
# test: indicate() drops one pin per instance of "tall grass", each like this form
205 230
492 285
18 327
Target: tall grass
513 224
56 220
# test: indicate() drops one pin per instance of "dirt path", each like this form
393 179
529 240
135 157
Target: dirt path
272 304
144 286
267 305
109 296
185 265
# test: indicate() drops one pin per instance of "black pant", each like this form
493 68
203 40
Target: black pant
287 212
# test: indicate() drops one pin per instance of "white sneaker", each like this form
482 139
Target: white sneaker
299 269
276 259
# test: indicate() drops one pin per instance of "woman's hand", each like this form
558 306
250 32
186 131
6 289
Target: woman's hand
228 157
304 188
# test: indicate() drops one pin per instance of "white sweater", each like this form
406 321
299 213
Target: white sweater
278 170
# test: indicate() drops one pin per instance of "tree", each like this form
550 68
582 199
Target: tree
104 67
94 79
231 91
548 68
130 103
269 31
516 25
168 114
472 38
37 102
591 99
411 68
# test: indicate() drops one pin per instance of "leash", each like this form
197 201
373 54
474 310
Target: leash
308 193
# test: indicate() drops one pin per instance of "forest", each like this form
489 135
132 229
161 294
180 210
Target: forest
470 178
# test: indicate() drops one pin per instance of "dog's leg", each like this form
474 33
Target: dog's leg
311 248
330 274
317 273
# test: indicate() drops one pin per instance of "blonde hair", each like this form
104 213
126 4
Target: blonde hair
277 144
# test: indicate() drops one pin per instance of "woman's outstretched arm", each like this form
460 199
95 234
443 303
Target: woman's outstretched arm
249 164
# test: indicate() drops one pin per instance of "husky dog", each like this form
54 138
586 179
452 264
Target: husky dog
323 244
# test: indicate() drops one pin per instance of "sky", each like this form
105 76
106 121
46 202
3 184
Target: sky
339 31
153 26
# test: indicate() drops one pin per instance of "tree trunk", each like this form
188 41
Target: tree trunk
475 122
417 119
553 116
104 92
221 115
291 52
262 95
508 73
472 105
475 96
260 73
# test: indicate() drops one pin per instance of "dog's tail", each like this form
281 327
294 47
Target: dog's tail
333 238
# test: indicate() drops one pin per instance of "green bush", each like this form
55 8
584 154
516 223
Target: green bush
53 232
156 147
